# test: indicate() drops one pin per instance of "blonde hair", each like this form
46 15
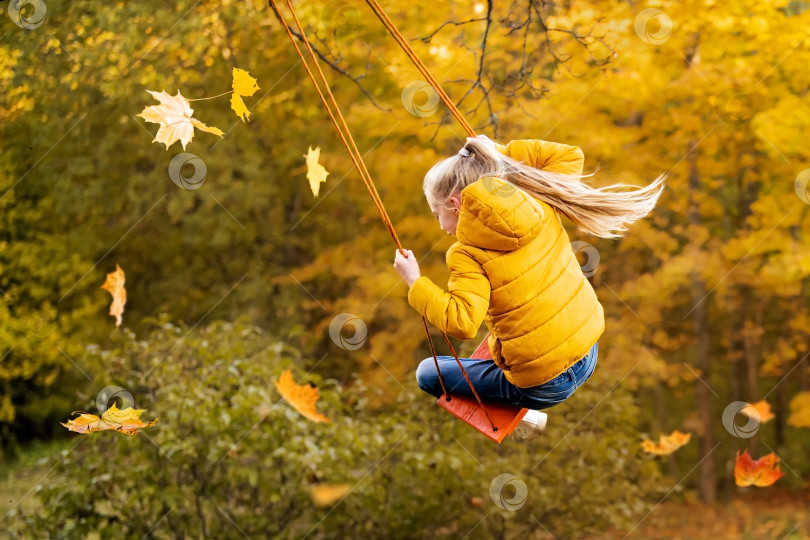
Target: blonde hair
603 212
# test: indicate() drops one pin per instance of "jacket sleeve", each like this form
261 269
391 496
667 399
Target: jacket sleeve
461 311
551 156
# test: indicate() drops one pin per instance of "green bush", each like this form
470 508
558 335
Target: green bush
228 458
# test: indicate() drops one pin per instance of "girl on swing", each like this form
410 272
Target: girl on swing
513 267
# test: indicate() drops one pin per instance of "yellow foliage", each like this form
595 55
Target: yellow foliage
800 410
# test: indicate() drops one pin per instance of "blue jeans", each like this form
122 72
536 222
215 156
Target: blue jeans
491 383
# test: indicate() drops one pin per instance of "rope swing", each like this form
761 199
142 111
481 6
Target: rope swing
506 417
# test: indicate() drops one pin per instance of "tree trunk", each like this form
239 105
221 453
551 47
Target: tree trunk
663 422
735 353
706 482
753 351
793 305
735 320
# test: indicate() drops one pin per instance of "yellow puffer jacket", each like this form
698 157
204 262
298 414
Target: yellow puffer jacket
513 267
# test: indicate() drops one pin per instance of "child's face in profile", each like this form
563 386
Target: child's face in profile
448 215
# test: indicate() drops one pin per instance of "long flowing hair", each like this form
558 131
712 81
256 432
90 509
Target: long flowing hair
603 212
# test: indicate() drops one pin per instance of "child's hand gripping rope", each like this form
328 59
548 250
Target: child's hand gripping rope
408 268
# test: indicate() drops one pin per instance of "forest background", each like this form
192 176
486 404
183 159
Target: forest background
232 281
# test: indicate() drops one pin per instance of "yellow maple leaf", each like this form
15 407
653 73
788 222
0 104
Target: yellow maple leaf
115 284
760 409
126 421
243 85
666 443
174 116
316 173
800 410
303 398
328 494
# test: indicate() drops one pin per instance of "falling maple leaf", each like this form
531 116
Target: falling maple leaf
328 494
174 116
760 409
666 443
243 86
115 284
800 410
316 173
761 472
126 421
303 398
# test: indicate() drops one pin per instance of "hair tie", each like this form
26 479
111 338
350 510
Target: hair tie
464 152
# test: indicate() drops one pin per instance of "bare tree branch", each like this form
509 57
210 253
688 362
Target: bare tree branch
514 85
428 37
333 65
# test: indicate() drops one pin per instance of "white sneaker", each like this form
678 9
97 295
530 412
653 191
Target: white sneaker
531 426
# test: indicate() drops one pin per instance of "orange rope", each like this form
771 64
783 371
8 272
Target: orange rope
392 29
403 43
356 158
361 167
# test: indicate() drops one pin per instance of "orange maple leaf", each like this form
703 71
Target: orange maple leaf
761 472
115 284
666 443
303 398
328 494
126 421
760 409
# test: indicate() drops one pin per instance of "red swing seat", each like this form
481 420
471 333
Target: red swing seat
504 416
